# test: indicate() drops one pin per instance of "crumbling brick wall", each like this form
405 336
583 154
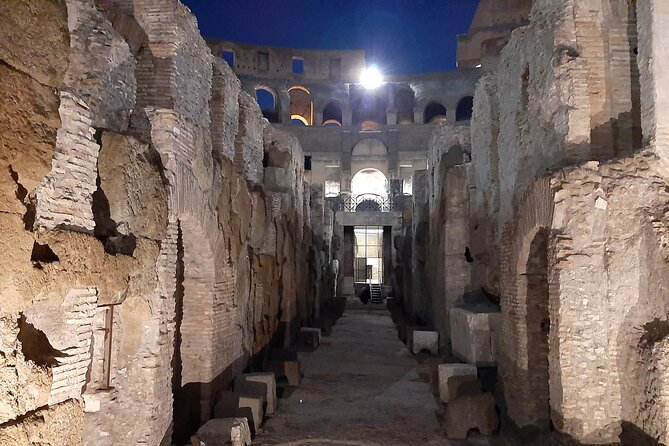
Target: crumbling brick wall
136 208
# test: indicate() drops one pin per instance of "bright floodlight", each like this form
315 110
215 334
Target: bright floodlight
371 78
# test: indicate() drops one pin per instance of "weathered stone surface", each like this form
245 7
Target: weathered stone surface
223 431
309 337
234 405
425 340
269 380
446 371
471 412
474 331
463 385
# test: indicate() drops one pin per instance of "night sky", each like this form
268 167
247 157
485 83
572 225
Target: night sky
400 36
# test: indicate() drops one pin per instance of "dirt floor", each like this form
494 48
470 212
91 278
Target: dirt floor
360 387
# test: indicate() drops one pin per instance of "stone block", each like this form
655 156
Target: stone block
269 379
446 371
233 405
309 337
463 385
223 431
282 354
252 389
293 371
473 334
471 412
425 340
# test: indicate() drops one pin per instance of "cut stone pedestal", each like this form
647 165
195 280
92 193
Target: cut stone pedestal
471 412
463 385
289 369
223 432
448 370
425 340
252 389
269 380
309 337
234 405
282 354
473 334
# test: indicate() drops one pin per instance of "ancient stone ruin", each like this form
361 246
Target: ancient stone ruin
183 221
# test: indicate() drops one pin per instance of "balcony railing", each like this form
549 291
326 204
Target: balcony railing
368 203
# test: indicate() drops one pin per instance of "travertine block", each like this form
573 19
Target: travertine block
223 431
269 380
425 340
448 370
293 371
471 412
234 405
473 335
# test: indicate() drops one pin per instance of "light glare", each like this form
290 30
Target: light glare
371 78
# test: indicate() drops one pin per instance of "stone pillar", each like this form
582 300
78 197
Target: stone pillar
318 119
653 29
391 118
347 117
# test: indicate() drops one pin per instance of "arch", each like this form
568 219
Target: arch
370 147
369 181
369 110
434 112
332 114
268 102
301 105
464 110
404 103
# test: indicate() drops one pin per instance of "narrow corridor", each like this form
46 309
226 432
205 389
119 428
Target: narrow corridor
360 387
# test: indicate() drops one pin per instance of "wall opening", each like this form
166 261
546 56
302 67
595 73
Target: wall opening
368 262
301 106
180 428
369 181
298 65
369 111
332 115
434 112
404 103
267 100
538 326
465 108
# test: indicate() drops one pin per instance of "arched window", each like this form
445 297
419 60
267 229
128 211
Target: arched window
301 106
369 181
404 102
434 112
465 108
332 115
268 103
369 111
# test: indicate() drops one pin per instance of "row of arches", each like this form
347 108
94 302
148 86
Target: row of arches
369 111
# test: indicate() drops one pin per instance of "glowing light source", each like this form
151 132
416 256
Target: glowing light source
371 78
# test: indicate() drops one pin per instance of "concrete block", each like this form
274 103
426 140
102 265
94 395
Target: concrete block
233 405
473 334
425 340
446 371
309 337
223 431
269 379
471 412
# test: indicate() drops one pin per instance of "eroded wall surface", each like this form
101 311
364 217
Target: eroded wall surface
156 230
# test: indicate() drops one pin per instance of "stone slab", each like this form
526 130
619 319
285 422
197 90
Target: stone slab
473 334
471 412
446 371
425 340
223 432
309 337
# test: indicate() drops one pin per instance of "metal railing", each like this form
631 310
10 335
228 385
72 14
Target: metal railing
368 203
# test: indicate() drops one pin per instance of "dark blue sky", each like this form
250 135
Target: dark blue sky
401 36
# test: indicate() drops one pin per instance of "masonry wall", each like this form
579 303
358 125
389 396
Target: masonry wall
136 208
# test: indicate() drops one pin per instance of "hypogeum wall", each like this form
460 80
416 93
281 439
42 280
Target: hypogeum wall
137 215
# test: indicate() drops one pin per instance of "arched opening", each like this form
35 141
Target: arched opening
404 103
269 105
465 108
369 111
301 106
332 115
537 319
369 181
434 113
